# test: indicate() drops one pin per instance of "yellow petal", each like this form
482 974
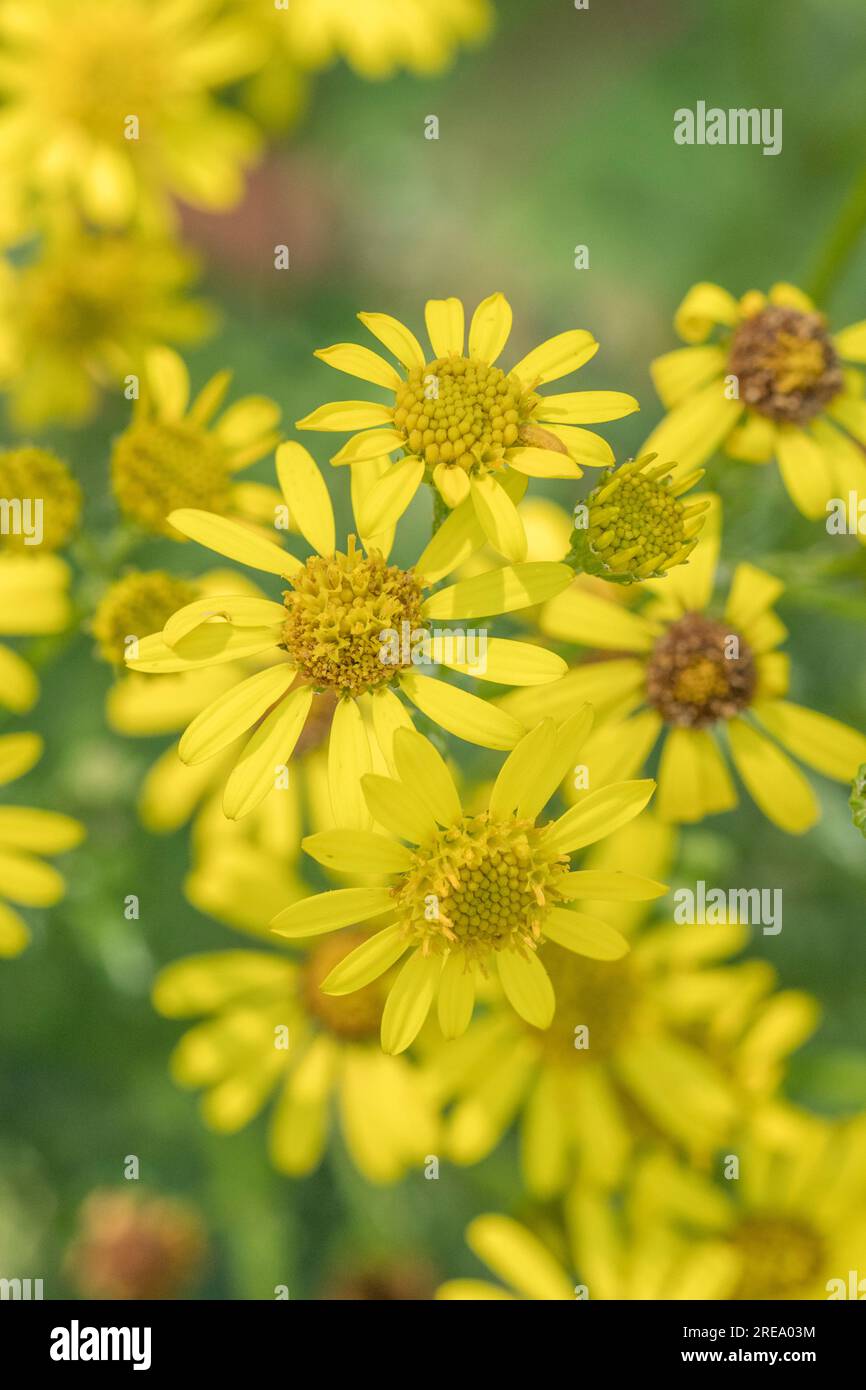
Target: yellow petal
370 444
752 592
570 738
445 326
850 343
396 337
408 1002
506 662
543 463
42 832
585 407
360 362
456 996
357 852
822 743
677 374
399 808
389 715
460 713
753 440
421 767
460 535
307 496
234 540
349 759
584 446
613 885
527 987
388 499
28 881
18 753
693 779
519 1258
258 766
579 616
14 933
168 382
774 783
586 936
805 470
19 686
504 590
557 357
324 912
240 610
367 962
212 644
695 428
598 814
343 416
499 518
489 329
705 306
452 481
517 774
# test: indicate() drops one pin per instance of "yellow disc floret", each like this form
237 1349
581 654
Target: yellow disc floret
781 1257
785 364
159 466
634 526
136 606
455 410
483 885
343 612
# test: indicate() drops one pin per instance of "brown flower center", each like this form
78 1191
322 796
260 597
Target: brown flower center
785 364
700 672
355 1016
780 1257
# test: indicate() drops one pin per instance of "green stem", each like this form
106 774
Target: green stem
842 242
441 510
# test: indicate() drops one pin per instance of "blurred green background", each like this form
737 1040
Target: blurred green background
558 132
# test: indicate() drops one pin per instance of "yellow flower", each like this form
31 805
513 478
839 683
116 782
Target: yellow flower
390 34
268 1028
351 624
78 318
49 498
686 673
671 1040
773 385
108 106
25 834
172 456
793 1224
462 422
652 1263
469 891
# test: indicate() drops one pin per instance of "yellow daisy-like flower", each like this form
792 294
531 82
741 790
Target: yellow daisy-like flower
670 1041
351 624
47 498
79 318
653 1263
389 34
793 1223
686 673
25 835
461 422
108 105
268 1028
468 891
173 455
773 385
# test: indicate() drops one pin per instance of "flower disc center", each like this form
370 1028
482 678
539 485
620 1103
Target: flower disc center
786 364
159 466
456 410
700 672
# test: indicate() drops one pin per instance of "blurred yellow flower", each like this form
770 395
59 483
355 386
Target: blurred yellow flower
108 106
792 1218
77 320
684 674
25 835
340 613
174 455
670 1040
420 35
469 891
774 385
462 422
269 1028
